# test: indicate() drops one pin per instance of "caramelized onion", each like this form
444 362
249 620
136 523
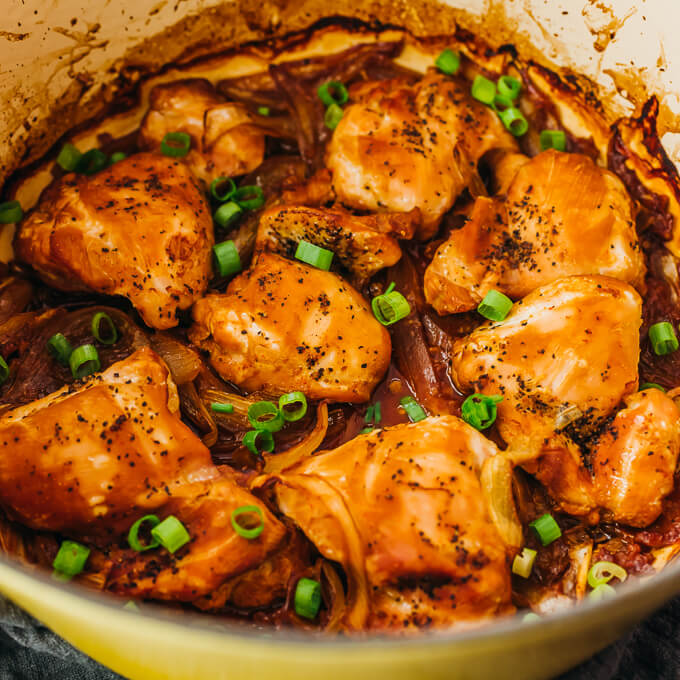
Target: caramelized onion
334 597
194 408
184 363
496 481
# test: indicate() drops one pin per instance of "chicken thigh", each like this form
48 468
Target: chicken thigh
140 229
334 348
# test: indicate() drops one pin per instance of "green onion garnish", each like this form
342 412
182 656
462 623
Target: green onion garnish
293 406
226 193
333 92
553 139
70 559
131 606
524 562
602 592
247 532
332 116
249 198
603 572
530 616
651 386
226 257
84 360
264 415
171 534
501 103
116 157
514 121
369 414
663 338
509 87
546 529
495 306
133 534
91 162
10 212
307 598
448 62
366 430
413 409
109 334
479 410
259 441
483 90
314 255
68 157
4 371
221 408
263 110
227 214
377 413
176 144
60 348
390 307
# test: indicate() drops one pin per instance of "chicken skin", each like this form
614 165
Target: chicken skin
634 460
334 347
402 510
364 245
400 146
98 455
140 229
561 216
224 140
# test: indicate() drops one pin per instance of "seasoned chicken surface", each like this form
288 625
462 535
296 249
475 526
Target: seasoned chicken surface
635 459
400 146
402 510
364 245
224 140
561 216
98 455
140 229
333 346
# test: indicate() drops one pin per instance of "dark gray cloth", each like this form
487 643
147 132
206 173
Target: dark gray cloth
29 651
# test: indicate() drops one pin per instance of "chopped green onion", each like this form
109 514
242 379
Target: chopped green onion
524 562
307 598
651 386
366 430
110 334
91 162
553 139
60 348
221 408
171 534
10 212
70 559
226 257
176 144
228 192
259 441
448 62
390 307
264 415
368 418
133 534
227 214
514 121
68 157
509 87
501 103
116 157
293 406
314 255
602 592
546 529
479 410
249 198
332 116
483 90
333 92
84 360
247 532
4 371
663 338
413 409
530 616
377 417
131 606
263 110
495 306
603 572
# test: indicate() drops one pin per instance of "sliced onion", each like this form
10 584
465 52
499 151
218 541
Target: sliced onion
334 595
496 480
196 410
238 418
184 363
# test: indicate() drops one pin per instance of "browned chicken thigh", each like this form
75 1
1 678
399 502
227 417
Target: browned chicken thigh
402 510
333 346
561 216
400 146
224 139
140 229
